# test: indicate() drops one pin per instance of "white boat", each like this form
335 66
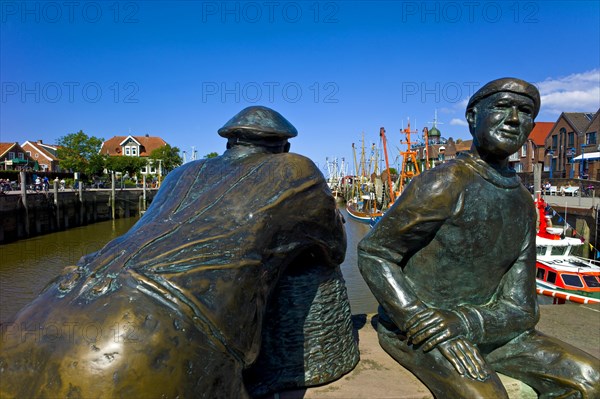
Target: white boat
561 272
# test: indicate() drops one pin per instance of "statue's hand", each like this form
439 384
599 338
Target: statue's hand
434 326
465 358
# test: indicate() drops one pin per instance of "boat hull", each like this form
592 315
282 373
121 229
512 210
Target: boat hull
561 297
557 287
362 217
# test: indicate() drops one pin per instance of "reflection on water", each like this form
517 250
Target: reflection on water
27 266
361 298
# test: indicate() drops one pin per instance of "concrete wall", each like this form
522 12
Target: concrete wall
45 215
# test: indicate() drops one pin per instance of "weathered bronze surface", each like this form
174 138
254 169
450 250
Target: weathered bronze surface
228 287
452 265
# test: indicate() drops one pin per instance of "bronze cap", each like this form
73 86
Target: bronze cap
258 123
512 85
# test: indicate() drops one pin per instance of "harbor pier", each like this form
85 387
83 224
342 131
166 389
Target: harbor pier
29 214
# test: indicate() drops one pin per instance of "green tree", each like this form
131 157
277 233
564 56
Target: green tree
169 158
97 164
125 164
211 155
75 150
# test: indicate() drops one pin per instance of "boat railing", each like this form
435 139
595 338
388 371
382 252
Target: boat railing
587 262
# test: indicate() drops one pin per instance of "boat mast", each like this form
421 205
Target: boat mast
363 160
387 164
355 184
426 135
408 156
374 160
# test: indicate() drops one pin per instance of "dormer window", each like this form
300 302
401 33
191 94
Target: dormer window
130 146
131 150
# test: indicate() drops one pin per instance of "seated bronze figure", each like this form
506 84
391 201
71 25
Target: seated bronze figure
452 265
228 287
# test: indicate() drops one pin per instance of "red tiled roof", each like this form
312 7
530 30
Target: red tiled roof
112 146
464 145
40 148
4 147
540 132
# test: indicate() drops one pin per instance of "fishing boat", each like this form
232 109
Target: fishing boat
362 205
363 208
335 177
561 272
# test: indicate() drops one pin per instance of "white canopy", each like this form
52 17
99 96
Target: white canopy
587 157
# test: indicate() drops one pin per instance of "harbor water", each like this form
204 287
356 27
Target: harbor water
27 266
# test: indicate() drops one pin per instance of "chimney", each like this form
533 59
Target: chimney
40 142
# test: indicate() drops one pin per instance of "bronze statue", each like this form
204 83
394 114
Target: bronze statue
228 287
452 265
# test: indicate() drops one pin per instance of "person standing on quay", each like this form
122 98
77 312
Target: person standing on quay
452 265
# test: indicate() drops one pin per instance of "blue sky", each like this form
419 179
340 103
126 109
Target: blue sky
335 69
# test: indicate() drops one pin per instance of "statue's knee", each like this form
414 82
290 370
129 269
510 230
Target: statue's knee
591 384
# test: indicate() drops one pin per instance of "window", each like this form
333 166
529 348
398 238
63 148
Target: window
576 250
554 142
131 150
551 277
590 138
11 155
21 155
558 250
572 279
541 250
541 273
518 167
524 150
592 281
571 139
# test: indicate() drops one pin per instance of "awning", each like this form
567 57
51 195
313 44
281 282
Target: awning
590 156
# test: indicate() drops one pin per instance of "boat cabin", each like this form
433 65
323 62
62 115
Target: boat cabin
560 265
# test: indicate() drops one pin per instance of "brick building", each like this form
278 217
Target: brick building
13 157
45 155
567 139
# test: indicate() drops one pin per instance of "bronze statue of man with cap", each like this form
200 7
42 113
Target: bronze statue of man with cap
452 265
194 301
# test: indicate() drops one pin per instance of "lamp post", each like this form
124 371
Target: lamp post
159 171
550 153
571 152
581 167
